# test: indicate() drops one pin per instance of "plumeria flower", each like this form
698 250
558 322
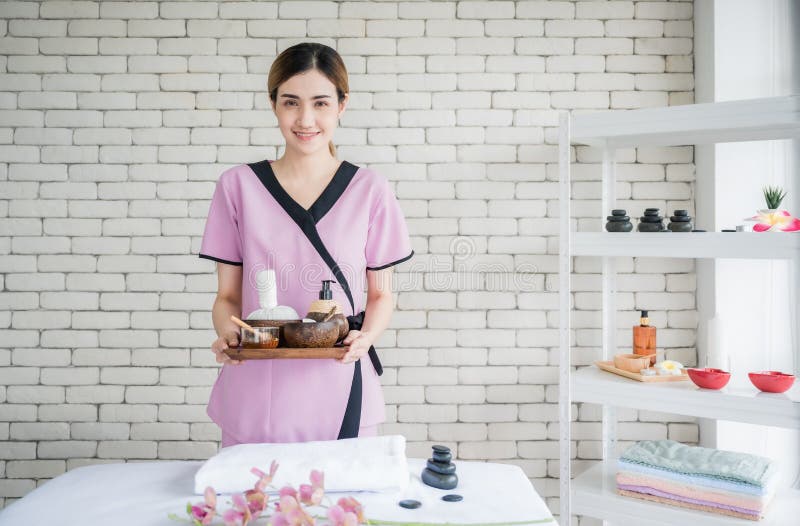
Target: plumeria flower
669 368
240 514
203 514
774 221
351 505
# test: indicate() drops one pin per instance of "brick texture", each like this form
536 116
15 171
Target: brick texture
116 120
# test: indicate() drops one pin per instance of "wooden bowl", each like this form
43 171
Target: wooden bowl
339 319
319 334
273 323
632 363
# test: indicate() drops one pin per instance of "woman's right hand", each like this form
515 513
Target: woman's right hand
226 341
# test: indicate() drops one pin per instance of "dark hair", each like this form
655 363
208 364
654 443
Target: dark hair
304 57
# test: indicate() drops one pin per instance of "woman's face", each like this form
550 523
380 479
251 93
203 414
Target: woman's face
308 110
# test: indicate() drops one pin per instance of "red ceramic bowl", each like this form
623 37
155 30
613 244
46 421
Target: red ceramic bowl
709 378
772 381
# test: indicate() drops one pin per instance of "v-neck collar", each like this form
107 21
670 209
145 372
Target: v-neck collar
332 192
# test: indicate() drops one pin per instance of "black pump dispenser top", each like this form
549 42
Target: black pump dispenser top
325 293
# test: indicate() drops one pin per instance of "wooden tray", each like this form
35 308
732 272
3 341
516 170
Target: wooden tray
609 366
242 353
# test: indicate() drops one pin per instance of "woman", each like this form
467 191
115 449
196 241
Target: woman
309 217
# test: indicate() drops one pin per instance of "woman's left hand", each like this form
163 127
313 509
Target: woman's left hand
358 346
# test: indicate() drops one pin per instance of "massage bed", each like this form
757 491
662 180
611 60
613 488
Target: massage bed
145 493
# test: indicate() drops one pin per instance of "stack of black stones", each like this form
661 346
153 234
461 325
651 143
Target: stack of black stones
440 471
681 221
651 221
618 221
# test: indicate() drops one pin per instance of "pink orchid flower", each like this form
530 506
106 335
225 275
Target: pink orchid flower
203 514
291 514
338 517
240 514
351 505
311 494
775 221
317 478
264 479
256 502
287 491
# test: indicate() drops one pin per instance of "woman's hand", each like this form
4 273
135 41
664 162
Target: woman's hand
358 343
226 341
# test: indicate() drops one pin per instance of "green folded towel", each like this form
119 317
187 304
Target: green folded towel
689 460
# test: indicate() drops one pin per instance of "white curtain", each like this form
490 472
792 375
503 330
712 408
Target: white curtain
753 324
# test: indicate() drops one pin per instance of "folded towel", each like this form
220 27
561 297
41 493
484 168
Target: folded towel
717 496
689 505
354 464
670 496
689 460
698 480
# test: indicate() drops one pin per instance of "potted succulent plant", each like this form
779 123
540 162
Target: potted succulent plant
773 218
773 195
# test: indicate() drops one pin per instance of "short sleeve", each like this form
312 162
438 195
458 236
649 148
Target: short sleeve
221 239
388 242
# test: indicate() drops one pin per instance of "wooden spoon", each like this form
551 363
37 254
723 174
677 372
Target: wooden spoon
242 324
330 314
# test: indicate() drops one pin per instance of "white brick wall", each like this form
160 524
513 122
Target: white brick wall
117 117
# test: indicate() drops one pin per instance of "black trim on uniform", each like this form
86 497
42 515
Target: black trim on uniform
336 187
306 220
355 322
220 260
351 422
393 263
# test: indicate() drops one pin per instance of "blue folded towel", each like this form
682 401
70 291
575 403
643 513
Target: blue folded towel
690 460
624 466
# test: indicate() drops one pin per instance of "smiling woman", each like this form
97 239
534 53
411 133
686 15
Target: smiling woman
308 101
305 210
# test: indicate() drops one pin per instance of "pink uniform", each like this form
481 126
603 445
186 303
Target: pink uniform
362 226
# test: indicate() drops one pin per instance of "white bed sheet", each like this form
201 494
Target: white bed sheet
143 494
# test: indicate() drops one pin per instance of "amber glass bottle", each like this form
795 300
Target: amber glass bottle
644 338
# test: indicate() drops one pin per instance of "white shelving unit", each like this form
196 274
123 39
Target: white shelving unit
593 493
745 245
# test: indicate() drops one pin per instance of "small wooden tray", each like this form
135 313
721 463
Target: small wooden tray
244 353
609 366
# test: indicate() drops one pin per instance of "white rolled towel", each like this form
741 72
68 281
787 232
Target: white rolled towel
353 464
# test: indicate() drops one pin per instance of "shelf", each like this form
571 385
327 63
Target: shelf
747 405
743 245
735 121
594 494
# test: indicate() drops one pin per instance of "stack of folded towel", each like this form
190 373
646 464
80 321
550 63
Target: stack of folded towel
724 482
353 464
